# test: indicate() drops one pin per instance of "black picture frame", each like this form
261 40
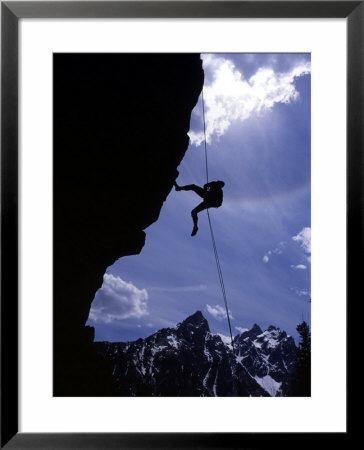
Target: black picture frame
11 12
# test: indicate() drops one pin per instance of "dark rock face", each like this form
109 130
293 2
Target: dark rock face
120 132
190 361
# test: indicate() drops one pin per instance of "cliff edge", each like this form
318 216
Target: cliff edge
120 132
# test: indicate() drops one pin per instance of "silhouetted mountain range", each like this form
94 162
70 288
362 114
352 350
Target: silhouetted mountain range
188 360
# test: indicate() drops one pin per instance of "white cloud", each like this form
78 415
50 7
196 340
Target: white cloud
229 97
241 330
218 312
118 300
266 257
301 292
299 267
277 251
304 239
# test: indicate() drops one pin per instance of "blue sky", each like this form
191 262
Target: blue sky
257 109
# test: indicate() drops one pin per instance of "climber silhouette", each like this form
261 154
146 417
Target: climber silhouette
212 198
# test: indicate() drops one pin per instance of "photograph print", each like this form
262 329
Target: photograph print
182 225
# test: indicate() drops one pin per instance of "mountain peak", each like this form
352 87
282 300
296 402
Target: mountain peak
251 334
195 319
256 328
196 322
276 331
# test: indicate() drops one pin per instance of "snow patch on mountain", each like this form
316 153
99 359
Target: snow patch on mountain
172 341
240 358
225 339
268 384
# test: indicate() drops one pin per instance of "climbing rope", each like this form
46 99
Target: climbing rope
221 278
